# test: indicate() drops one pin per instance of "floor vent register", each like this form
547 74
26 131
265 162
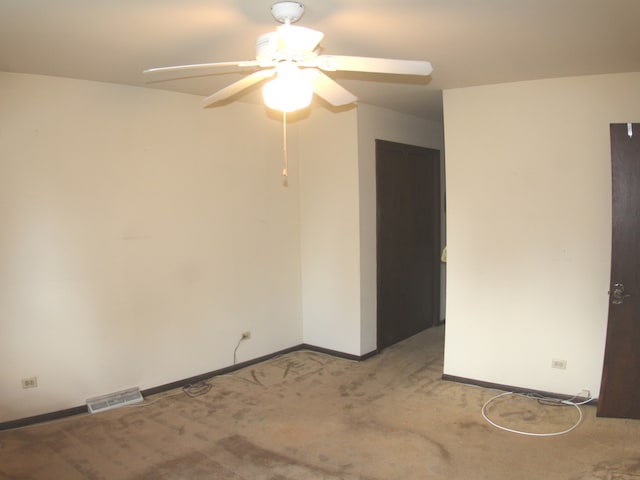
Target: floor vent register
114 400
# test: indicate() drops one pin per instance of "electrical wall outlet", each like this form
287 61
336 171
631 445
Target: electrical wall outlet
561 364
31 382
246 335
585 393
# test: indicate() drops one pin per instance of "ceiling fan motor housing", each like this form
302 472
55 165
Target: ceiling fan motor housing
287 12
266 48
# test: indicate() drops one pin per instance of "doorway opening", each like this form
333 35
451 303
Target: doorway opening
409 240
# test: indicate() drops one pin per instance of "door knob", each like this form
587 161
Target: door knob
618 294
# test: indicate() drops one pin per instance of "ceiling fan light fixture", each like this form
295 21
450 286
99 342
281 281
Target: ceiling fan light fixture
289 91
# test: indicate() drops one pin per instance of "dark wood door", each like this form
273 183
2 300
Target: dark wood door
620 390
408 240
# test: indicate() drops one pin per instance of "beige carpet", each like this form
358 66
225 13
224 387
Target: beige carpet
311 416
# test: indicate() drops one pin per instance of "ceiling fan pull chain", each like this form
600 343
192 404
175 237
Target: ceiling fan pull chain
284 146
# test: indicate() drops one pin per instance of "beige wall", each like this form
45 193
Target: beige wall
529 226
329 211
139 236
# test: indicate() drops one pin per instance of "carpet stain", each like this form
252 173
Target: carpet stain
255 378
283 467
622 469
192 466
526 415
472 426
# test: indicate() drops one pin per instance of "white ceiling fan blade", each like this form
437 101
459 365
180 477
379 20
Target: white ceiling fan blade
238 86
329 89
372 65
197 66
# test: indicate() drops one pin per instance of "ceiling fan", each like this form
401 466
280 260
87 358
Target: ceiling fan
291 55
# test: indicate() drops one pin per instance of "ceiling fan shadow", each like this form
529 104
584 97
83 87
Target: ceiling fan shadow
251 95
212 72
319 101
381 77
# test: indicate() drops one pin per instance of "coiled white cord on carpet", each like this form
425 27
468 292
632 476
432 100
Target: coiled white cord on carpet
520 432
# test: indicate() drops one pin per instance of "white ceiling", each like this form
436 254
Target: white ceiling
469 42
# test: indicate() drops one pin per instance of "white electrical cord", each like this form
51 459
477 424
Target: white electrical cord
520 432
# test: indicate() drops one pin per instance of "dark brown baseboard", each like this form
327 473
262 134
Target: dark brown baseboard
215 373
510 388
47 417
335 353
